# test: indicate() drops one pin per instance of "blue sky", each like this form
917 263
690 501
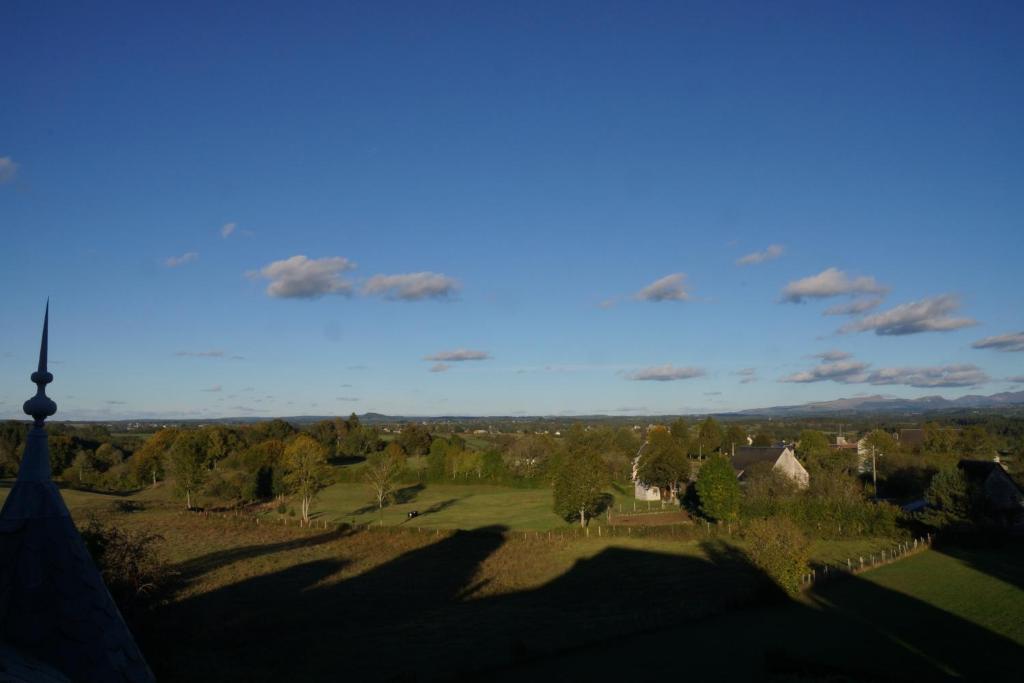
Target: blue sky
565 189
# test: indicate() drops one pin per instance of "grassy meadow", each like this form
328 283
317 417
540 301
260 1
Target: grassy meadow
476 586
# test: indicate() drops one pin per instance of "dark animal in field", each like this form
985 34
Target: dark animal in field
414 513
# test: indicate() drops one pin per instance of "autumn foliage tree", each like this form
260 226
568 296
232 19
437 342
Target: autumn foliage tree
305 461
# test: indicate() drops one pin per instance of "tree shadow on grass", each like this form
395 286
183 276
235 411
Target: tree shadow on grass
420 616
205 564
407 494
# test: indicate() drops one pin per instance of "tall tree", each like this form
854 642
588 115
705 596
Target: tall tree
762 440
735 437
663 463
814 447
949 500
414 439
306 470
188 463
681 433
718 490
148 461
326 434
382 472
579 482
709 437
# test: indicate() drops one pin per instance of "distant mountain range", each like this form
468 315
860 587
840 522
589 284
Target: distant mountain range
881 404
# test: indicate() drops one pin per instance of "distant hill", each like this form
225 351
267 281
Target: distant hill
881 404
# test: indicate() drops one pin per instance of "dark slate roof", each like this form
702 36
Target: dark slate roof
54 607
978 471
747 456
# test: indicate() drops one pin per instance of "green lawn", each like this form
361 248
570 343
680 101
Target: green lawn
443 506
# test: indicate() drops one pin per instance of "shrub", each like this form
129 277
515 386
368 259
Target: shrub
128 561
780 550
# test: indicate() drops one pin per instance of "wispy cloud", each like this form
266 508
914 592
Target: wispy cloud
115 403
227 229
1011 342
201 354
1019 379
829 283
216 388
773 251
458 355
927 315
299 277
833 355
850 371
175 261
855 307
664 373
440 367
350 399
747 375
609 303
8 169
412 286
669 288
963 375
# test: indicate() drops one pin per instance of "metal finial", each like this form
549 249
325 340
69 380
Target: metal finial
40 406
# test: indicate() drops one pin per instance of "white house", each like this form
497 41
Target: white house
781 458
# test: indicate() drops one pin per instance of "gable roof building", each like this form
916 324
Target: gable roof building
1002 496
780 458
55 609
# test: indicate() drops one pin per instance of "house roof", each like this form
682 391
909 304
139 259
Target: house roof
979 470
747 456
54 606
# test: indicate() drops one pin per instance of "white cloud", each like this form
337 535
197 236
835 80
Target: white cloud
200 354
8 169
458 355
440 367
927 315
227 229
773 251
1011 342
855 307
845 371
828 283
964 375
175 261
669 288
412 286
664 373
300 277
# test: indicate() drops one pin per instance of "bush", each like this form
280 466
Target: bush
129 563
779 549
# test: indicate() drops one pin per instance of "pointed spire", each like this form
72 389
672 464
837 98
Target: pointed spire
40 406
43 342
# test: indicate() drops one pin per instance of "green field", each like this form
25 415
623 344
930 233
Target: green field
268 601
442 506
933 616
